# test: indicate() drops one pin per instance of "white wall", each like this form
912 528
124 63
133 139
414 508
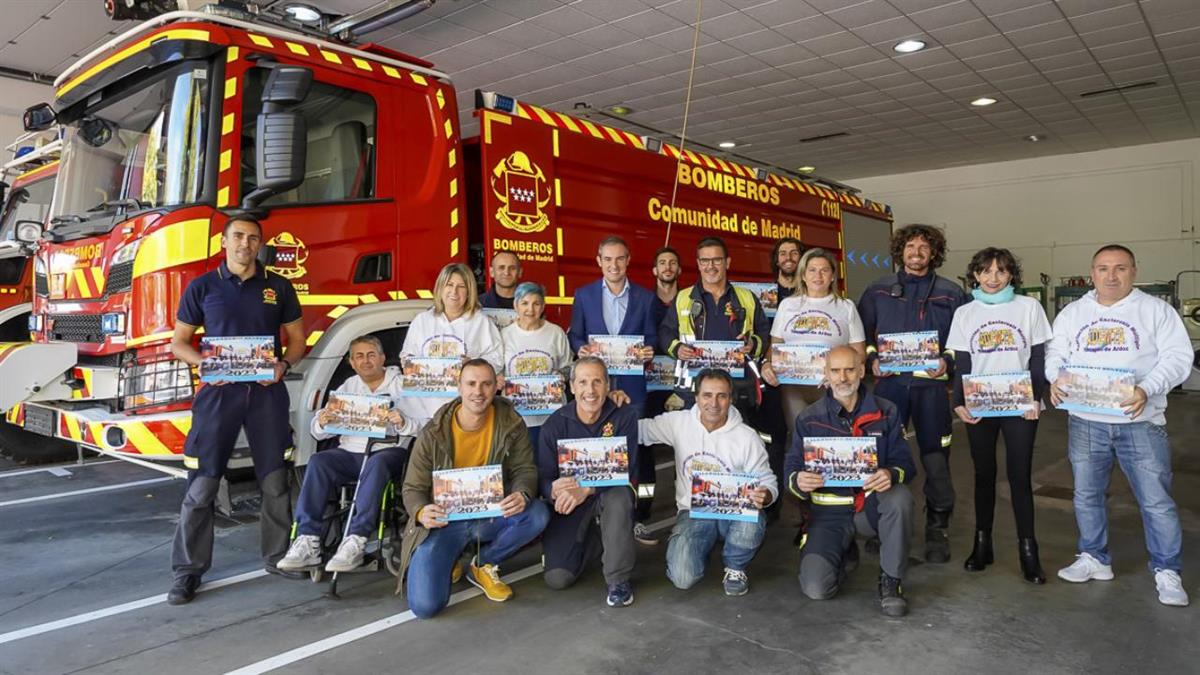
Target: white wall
15 97
1054 212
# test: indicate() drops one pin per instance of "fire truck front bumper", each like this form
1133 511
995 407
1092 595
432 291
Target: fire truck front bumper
35 371
158 437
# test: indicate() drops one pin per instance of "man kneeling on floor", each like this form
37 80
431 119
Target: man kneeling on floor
588 522
711 436
883 505
330 469
475 429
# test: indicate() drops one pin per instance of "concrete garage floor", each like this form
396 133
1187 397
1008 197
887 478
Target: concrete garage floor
89 558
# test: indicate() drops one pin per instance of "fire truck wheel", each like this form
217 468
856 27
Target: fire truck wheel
30 448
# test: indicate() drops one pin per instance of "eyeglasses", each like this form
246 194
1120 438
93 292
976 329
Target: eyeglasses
711 262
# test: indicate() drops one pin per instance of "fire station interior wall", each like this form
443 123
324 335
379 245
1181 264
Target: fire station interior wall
862 234
15 97
1054 212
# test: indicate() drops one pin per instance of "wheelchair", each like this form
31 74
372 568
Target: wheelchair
383 549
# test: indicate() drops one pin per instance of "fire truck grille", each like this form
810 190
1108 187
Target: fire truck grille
75 327
41 285
120 278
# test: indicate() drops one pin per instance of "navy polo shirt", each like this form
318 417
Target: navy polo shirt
718 325
227 306
493 300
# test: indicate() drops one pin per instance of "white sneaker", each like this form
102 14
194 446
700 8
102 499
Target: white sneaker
1170 588
1086 568
349 555
305 551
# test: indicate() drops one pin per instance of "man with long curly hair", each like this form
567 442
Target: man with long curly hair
916 299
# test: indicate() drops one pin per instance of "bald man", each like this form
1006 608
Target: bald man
881 506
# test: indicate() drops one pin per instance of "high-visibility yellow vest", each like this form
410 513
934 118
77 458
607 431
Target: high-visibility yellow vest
683 309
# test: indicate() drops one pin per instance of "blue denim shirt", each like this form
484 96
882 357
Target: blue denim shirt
614 308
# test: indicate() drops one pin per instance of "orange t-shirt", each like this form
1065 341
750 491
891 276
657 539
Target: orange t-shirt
471 448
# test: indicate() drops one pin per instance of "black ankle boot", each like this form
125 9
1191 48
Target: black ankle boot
1031 567
981 556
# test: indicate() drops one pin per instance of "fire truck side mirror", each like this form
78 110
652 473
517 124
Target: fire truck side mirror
281 134
28 231
39 117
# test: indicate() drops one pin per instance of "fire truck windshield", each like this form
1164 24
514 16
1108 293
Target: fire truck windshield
140 148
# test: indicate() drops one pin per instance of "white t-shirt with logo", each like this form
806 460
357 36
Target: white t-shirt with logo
544 351
999 337
831 321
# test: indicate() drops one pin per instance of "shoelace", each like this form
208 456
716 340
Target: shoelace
736 575
492 572
354 546
307 547
1169 578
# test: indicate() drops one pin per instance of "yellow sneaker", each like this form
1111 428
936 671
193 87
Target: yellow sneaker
487 578
456 573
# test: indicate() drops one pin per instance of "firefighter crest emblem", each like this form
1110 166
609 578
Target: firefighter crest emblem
290 256
523 192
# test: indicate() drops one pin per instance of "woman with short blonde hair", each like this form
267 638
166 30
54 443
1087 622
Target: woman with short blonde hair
471 303
454 327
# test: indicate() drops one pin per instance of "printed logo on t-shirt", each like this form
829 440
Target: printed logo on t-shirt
445 345
814 322
1107 335
607 430
703 461
998 336
269 296
530 362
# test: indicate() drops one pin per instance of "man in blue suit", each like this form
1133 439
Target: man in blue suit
614 305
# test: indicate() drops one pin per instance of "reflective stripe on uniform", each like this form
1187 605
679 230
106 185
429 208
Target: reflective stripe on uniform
287 454
683 310
191 462
645 491
946 440
826 499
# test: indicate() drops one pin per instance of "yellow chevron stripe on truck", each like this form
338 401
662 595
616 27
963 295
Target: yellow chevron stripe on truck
176 244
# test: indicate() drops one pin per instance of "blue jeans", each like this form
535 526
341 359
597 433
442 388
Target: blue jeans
429 571
692 540
1144 453
330 469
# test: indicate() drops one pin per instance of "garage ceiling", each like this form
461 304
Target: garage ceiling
769 74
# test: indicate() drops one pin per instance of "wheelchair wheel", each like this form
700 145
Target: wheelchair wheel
391 560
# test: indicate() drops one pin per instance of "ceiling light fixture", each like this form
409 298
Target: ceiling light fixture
727 145
620 109
1034 138
303 13
983 101
806 169
908 46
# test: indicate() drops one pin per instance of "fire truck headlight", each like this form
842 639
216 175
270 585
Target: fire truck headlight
126 253
157 382
112 323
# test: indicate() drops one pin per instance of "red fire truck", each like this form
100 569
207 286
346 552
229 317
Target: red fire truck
29 180
352 156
